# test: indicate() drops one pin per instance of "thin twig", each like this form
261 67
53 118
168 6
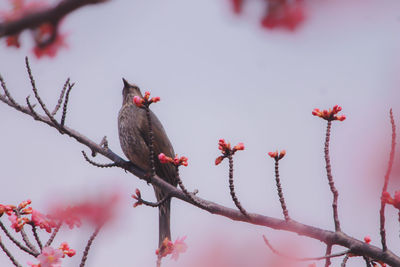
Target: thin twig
60 99
16 242
232 188
88 245
185 191
329 256
330 178
153 204
386 182
64 114
53 234
9 255
345 259
35 91
27 241
100 165
328 252
30 106
35 234
103 143
13 102
280 192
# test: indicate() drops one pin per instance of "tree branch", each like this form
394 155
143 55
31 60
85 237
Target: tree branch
328 237
52 14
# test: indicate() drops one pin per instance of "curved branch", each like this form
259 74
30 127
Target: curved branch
52 14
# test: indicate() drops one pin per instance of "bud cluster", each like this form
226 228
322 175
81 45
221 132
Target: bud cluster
176 161
277 156
329 115
227 150
145 101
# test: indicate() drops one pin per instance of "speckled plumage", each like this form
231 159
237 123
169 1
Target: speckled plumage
133 136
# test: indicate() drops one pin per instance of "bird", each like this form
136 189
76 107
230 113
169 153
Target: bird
134 140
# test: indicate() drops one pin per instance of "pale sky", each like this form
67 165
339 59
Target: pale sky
218 76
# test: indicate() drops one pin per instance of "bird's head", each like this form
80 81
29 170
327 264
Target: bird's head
129 91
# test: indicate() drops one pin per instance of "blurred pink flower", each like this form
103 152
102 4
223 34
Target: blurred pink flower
50 257
179 247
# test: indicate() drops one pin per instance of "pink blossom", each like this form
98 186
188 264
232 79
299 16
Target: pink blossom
66 250
42 221
179 247
50 257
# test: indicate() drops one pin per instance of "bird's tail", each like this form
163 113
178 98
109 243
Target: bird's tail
163 219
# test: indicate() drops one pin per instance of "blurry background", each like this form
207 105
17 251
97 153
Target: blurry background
219 75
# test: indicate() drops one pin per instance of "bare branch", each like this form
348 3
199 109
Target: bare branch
328 252
60 99
53 235
280 192
11 99
345 261
51 15
184 190
386 182
36 237
152 204
64 114
16 242
30 106
109 165
34 89
9 255
232 188
88 245
330 178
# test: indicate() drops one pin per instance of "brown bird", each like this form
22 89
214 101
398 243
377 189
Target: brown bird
134 139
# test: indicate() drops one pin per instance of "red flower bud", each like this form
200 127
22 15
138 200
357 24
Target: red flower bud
138 101
155 99
273 154
218 160
163 158
239 146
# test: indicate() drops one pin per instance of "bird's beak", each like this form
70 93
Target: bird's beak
126 84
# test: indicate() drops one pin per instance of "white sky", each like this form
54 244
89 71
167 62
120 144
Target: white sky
218 76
